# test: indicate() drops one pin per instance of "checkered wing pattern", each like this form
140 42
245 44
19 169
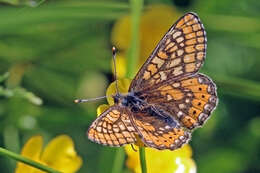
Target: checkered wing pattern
159 132
113 128
175 97
181 52
190 100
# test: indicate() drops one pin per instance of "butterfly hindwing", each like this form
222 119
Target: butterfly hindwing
181 52
190 100
160 132
113 127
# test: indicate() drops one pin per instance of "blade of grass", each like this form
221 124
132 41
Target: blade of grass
133 52
238 87
119 161
133 55
5 152
240 24
13 18
142 159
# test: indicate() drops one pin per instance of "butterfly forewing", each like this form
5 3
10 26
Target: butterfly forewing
113 127
181 52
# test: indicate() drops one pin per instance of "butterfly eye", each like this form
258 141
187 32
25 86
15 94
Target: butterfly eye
116 99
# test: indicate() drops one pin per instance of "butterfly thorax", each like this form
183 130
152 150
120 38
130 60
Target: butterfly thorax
131 100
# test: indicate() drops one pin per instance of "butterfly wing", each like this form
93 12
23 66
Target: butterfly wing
160 132
190 100
181 52
113 127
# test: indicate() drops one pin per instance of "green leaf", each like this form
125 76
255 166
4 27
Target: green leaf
4 77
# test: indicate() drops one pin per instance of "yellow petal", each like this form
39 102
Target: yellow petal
159 160
184 165
132 161
102 108
123 85
60 154
120 35
120 65
32 150
184 151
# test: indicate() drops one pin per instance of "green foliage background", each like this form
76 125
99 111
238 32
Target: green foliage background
55 51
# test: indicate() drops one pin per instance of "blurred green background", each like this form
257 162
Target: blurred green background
55 51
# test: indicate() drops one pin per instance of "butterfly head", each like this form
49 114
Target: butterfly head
120 99
117 98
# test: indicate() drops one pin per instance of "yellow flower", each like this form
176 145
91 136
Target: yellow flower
58 154
166 161
120 65
155 22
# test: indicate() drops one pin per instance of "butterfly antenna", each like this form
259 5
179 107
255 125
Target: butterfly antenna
114 61
88 100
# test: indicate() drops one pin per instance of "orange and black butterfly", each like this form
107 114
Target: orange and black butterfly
167 99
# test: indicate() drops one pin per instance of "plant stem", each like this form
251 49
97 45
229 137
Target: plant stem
133 52
133 56
142 159
27 161
119 161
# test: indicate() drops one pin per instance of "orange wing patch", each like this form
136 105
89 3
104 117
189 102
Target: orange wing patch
170 93
201 99
112 128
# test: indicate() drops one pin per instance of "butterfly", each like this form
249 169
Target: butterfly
167 99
